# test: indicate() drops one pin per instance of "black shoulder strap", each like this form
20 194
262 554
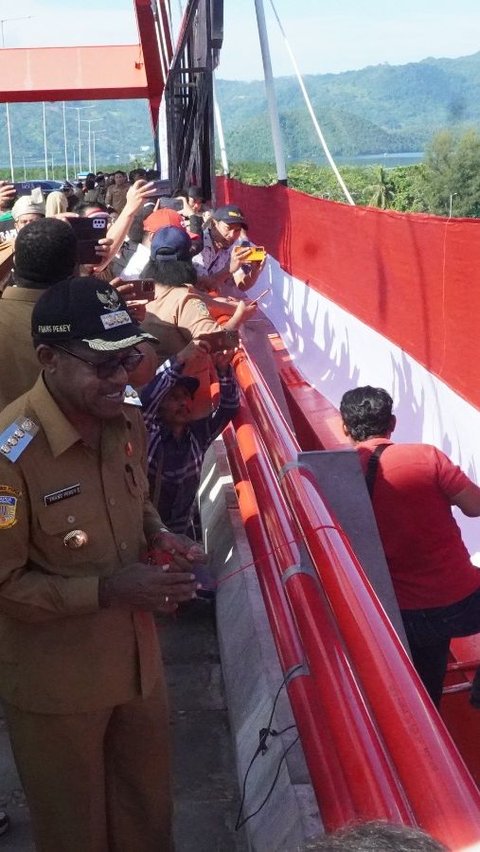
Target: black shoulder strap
372 467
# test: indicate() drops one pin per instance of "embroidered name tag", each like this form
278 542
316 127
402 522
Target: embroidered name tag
62 494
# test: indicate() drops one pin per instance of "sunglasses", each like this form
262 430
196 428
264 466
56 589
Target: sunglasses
107 368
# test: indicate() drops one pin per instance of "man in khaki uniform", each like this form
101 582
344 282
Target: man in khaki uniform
45 252
116 194
80 671
179 314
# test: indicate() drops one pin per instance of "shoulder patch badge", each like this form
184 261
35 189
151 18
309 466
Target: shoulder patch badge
202 309
8 506
132 397
16 438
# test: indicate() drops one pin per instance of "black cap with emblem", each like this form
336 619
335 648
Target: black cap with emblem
85 309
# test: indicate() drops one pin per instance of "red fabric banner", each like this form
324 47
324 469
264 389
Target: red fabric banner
413 278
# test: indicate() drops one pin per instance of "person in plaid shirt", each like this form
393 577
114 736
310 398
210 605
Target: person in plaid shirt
177 444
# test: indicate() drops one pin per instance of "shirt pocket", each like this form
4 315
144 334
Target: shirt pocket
62 551
136 481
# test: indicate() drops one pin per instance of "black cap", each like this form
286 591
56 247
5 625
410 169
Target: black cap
85 309
231 214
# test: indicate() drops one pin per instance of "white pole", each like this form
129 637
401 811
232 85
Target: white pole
45 140
312 114
270 91
221 137
74 163
24 169
53 169
79 141
7 114
65 140
89 146
9 137
4 21
94 153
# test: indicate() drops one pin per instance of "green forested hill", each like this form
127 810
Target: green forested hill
378 109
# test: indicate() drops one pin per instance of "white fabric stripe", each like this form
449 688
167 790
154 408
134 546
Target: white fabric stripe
335 351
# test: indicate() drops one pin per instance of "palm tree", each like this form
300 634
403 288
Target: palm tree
382 191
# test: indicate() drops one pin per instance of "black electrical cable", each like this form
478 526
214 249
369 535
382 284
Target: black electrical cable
272 786
262 747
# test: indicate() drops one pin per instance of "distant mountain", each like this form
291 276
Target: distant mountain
382 108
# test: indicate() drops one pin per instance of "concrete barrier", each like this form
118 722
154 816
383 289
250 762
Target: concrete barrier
252 676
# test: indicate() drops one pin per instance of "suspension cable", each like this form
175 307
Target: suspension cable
310 109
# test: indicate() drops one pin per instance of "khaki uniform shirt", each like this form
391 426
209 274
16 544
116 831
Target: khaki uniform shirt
6 262
59 652
19 367
116 197
176 316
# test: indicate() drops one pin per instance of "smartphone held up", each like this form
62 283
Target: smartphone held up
88 232
219 341
142 289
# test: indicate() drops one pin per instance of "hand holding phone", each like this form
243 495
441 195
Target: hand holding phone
141 289
218 341
88 232
251 254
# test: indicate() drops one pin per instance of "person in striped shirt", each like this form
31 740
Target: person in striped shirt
177 443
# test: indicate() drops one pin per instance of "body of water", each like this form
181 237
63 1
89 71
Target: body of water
389 161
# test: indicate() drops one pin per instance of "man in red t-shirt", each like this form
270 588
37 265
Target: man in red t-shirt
413 487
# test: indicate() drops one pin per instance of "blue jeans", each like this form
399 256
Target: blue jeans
429 632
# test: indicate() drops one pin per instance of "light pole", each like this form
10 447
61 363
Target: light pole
450 204
4 21
78 110
45 152
96 134
65 140
90 121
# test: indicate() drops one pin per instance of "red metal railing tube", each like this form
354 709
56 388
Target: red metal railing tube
451 811
357 746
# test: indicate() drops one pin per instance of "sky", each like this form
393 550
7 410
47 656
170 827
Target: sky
325 37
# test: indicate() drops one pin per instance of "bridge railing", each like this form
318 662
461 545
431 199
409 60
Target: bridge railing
375 745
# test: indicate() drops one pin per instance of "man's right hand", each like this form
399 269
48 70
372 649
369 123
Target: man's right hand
150 588
7 192
238 256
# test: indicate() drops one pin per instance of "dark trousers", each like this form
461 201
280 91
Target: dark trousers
429 632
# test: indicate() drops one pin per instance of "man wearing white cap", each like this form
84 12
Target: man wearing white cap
28 208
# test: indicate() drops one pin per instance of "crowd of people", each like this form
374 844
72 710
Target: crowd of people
105 417
98 492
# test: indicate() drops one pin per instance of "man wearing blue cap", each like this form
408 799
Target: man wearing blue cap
80 671
178 314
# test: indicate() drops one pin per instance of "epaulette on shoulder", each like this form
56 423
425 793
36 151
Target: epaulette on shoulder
16 438
132 397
